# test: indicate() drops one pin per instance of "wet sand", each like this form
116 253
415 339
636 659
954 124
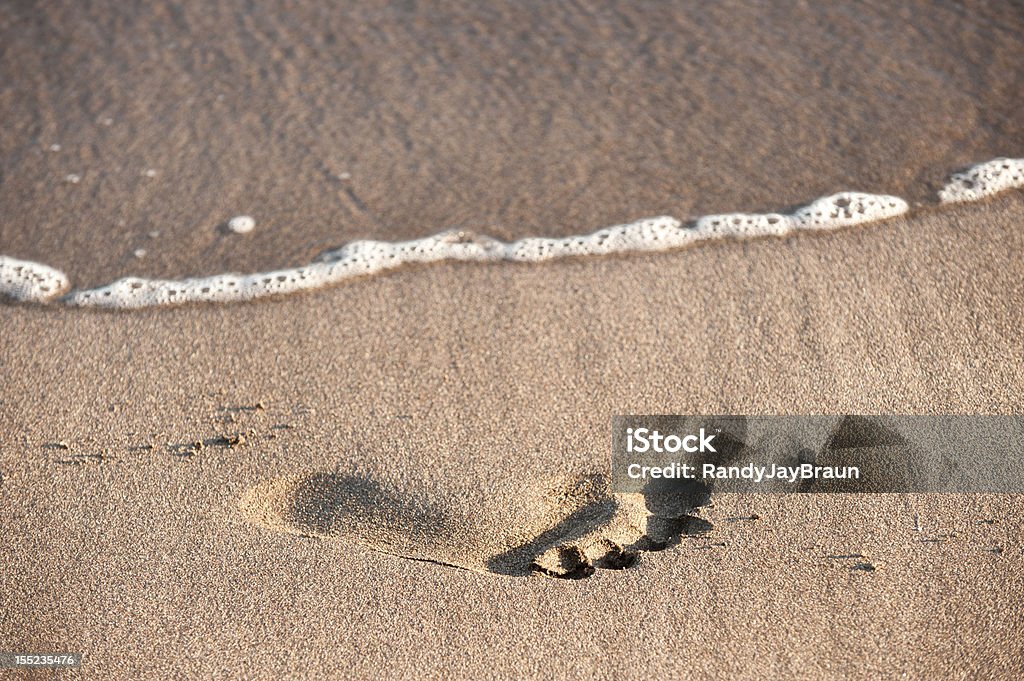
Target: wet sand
328 125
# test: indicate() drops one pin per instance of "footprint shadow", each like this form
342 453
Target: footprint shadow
596 529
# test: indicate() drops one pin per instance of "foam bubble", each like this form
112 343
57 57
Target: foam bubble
847 209
241 224
984 179
744 224
652 234
29 281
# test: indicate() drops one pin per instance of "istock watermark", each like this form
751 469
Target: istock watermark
836 453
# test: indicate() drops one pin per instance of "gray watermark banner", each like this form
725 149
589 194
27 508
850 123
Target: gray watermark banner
853 453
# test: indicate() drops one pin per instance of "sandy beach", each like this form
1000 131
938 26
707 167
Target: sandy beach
370 479
472 395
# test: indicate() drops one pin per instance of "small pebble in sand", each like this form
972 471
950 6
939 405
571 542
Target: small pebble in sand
55 148
149 172
344 176
241 224
154 234
107 121
72 178
139 253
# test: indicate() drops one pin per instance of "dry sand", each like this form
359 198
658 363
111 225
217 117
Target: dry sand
411 442
469 399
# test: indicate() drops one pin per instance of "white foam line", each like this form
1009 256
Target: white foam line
361 258
984 179
34 282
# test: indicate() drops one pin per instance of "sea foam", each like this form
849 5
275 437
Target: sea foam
362 258
983 180
29 281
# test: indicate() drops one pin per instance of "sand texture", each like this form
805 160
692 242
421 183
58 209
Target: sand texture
406 475
455 414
